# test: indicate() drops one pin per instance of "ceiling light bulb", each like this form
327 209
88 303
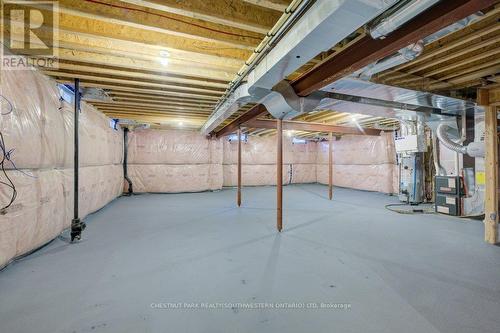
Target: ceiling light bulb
164 61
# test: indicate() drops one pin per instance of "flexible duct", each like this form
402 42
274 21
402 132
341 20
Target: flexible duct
474 149
440 171
447 142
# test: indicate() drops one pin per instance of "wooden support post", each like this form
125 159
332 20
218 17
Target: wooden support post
491 168
239 167
279 175
330 165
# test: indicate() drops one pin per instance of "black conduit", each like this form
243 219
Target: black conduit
77 226
125 160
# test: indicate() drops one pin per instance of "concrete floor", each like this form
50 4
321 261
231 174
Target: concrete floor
398 273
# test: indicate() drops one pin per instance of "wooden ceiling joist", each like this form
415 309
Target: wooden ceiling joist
369 50
76 69
159 60
153 20
90 84
279 5
152 105
145 102
128 96
310 127
236 14
144 83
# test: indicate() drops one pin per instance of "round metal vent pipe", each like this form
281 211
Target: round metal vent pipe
474 149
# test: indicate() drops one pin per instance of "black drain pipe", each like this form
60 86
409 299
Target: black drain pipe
77 226
125 160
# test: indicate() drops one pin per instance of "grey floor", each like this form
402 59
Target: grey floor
143 255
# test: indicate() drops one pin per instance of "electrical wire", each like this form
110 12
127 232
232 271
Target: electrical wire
9 104
10 184
409 211
173 19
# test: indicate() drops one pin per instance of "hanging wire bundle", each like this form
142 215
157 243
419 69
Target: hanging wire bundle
4 158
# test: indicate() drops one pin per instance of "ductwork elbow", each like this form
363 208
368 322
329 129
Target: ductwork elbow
474 149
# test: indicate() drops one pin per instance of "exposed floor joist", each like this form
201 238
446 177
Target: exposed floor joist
235 13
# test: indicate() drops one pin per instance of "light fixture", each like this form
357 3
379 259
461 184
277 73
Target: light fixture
180 123
289 133
299 141
164 57
164 61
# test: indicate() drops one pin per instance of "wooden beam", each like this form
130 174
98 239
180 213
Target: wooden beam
128 62
369 50
148 112
153 104
234 14
330 165
279 176
159 92
118 95
279 5
107 71
494 95
312 127
253 113
467 42
491 168
462 79
137 49
239 168
153 20
137 83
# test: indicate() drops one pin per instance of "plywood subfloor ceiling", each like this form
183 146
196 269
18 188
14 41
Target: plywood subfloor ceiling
123 47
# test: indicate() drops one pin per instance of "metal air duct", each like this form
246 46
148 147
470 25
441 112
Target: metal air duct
399 16
474 149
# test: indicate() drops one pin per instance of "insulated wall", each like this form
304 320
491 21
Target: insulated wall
361 162
259 161
185 161
37 128
164 161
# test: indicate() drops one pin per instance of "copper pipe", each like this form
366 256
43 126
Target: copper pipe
330 165
239 167
279 175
